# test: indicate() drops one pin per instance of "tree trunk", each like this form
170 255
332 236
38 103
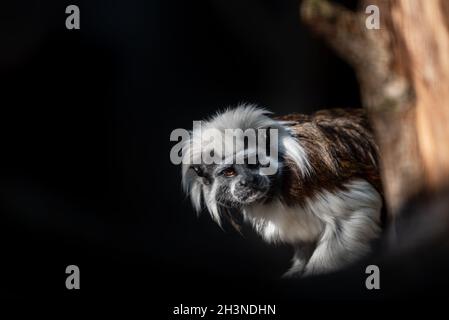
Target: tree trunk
403 72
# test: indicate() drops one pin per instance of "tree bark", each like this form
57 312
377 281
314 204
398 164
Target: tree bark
403 72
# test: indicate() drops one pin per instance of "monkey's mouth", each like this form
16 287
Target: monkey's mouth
240 197
248 196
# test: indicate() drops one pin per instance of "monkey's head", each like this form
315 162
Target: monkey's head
235 160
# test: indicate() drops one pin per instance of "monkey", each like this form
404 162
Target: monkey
324 199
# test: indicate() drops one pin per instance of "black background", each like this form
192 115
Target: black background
85 121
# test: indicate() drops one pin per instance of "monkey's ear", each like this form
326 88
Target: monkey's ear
198 171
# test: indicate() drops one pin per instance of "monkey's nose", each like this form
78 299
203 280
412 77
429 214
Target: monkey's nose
246 181
243 183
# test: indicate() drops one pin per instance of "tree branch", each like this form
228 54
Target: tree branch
384 85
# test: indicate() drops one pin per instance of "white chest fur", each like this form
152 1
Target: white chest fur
353 211
276 222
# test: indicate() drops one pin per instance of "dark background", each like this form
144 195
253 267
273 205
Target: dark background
85 122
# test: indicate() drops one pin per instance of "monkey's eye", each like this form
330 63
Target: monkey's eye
229 172
198 171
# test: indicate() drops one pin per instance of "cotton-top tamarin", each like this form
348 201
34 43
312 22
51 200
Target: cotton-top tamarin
324 198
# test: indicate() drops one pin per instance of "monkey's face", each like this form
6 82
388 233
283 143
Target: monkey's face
233 186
